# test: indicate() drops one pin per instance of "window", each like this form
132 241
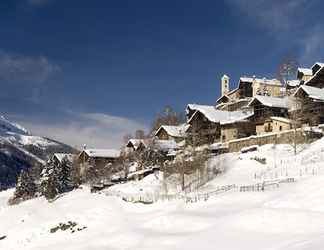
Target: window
280 128
223 138
267 127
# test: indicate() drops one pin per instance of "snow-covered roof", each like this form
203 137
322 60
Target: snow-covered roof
219 116
61 156
220 98
249 149
227 95
232 91
166 145
305 71
136 143
261 80
317 65
103 153
217 145
205 109
312 92
236 116
313 130
174 131
281 119
316 73
270 101
293 83
246 79
194 107
139 172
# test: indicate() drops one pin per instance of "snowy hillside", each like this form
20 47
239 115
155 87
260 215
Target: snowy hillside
14 133
7 127
286 217
19 150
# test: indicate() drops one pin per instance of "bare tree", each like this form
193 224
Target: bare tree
168 117
189 162
127 137
76 171
296 109
287 69
139 134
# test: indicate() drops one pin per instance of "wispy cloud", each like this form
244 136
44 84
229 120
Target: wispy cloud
312 45
26 76
288 21
92 129
23 69
275 15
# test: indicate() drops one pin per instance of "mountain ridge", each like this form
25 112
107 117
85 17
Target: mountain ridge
20 150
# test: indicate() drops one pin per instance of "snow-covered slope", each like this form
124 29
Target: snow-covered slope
286 218
7 127
16 134
20 150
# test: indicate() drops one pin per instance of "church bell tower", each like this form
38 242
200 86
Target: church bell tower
225 85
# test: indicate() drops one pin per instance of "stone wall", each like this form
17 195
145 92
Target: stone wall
285 137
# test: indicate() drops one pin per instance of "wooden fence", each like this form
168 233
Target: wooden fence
199 182
196 197
205 196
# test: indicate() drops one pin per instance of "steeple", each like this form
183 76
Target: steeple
225 85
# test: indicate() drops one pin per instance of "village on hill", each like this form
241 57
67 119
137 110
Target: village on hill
249 167
257 112
162 125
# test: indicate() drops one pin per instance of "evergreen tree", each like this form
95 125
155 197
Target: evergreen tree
64 176
49 180
56 178
25 185
50 188
25 188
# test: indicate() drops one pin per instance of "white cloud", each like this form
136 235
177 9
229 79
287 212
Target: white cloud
92 129
22 69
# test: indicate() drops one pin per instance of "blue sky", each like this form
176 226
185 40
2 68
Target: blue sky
90 71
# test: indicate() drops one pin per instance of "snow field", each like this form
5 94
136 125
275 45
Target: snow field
287 218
